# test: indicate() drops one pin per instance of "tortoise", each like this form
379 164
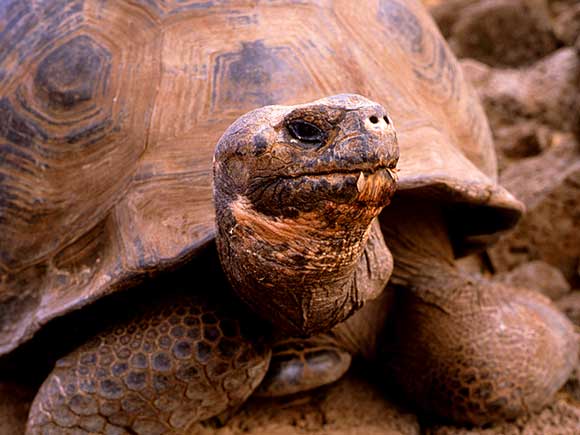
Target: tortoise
110 112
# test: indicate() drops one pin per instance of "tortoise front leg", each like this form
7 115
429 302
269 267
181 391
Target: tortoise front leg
160 372
460 346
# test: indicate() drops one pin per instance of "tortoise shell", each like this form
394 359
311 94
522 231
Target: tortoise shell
110 111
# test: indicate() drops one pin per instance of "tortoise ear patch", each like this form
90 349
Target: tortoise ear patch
260 144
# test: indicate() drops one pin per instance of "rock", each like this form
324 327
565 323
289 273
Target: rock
447 12
559 6
567 25
498 32
547 92
530 180
549 185
570 305
539 276
525 139
521 140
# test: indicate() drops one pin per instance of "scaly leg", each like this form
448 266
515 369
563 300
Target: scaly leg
461 347
185 360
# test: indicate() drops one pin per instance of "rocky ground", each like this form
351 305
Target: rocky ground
523 56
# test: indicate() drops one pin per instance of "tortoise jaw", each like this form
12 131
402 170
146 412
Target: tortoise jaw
361 187
367 168
335 196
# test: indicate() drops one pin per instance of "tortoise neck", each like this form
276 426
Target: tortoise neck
362 333
303 278
424 261
416 232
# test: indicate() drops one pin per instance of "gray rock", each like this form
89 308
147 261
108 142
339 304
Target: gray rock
549 185
547 92
567 25
499 32
537 275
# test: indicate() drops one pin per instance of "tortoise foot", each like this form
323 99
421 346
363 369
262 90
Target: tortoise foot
160 372
303 364
486 353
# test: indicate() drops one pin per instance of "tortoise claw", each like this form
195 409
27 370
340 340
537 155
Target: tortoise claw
299 365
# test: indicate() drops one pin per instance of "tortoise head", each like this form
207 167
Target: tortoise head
296 189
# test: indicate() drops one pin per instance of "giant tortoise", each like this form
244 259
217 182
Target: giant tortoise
109 116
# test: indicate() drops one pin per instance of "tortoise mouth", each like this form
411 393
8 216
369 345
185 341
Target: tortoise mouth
337 193
365 169
367 186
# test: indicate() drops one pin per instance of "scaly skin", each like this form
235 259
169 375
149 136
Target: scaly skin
461 347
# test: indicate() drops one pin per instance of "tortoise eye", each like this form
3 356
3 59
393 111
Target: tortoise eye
305 131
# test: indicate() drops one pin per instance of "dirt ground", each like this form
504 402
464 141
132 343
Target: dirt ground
354 405
523 58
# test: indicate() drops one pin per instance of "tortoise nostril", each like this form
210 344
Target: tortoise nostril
374 119
387 120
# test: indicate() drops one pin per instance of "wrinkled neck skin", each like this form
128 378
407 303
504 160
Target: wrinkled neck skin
417 234
305 273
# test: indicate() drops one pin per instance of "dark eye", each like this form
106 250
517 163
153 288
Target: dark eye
305 131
